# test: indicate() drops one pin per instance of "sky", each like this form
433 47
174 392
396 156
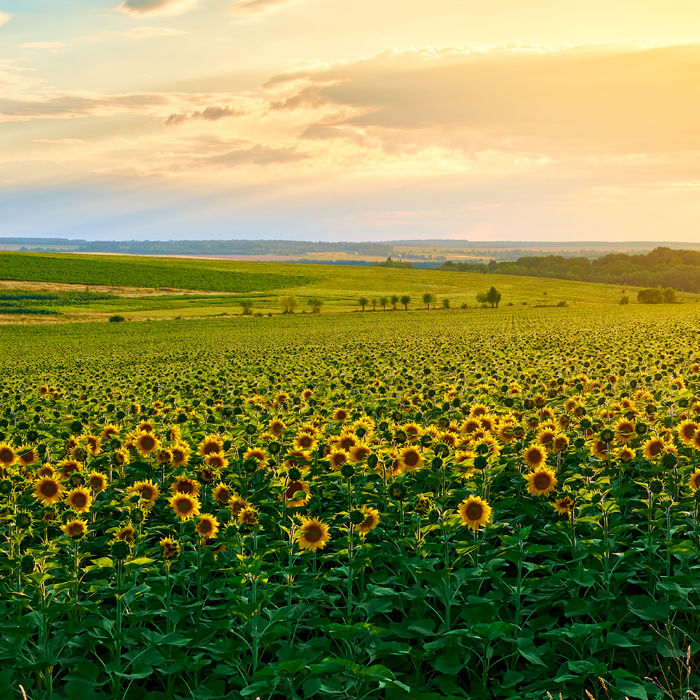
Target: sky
339 120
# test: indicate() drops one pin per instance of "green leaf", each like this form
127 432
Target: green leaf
631 688
619 640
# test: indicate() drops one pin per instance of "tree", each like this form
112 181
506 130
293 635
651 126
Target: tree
670 295
446 303
247 306
429 299
493 297
383 301
363 301
624 300
481 298
374 304
315 303
650 296
394 300
405 300
493 265
288 304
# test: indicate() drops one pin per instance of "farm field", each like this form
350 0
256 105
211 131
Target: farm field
140 287
415 505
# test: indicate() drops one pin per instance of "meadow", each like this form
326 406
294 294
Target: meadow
141 288
460 504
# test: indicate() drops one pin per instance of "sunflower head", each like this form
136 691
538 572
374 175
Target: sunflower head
563 506
475 512
75 529
535 456
79 500
48 490
210 444
541 482
169 548
97 481
370 521
312 535
249 517
184 506
207 527
694 480
184 485
222 494
410 459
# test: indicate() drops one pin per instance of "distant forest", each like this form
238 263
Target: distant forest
662 267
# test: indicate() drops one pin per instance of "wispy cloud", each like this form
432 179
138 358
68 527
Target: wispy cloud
4 17
212 114
157 8
41 45
258 9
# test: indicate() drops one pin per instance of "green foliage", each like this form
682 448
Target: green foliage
116 318
624 300
139 272
420 607
657 296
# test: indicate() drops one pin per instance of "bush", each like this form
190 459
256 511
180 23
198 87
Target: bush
624 300
562 304
116 319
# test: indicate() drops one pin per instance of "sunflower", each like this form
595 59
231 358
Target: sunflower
122 456
75 529
545 436
694 481
48 490
183 484
449 438
626 454
46 470
7 455
222 494
600 449
68 467
249 516
360 452
237 504
305 441
93 445
170 548
96 481
475 512
216 461
535 456
27 455
470 425
340 414
370 522
346 440
312 535
79 500
207 527
164 456
653 448
337 458
410 458
277 427
624 430
478 410
559 443
180 454
210 444
184 505
686 431
147 490
256 453
109 431
296 487
463 463
173 434
541 482
126 533
145 443
563 506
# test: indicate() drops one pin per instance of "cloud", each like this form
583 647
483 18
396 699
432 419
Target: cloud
41 45
631 97
212 114
149 32
157 8
258 9
4 17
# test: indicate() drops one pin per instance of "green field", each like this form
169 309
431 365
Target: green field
413 506
131 281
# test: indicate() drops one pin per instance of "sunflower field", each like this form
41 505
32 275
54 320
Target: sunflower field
458 505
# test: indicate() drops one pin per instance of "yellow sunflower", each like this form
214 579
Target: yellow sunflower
97 481
170 548
126 533
145 443
7 455
237 504
340 414
337 458
370 522
624 430
626 454
207 527
183 484
210 444
46 470
222 494
410 459
249 516
27 455
296 487
535 456
541 482
563 506
109 431
475 512
600 449
654 448
185 506
256 453
694 481
312 535
147 490
75 529
346 440
360 452
48 490
559 443
68 466
305 441
216 461
180 454
686 431
79 500
277 427
93 445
